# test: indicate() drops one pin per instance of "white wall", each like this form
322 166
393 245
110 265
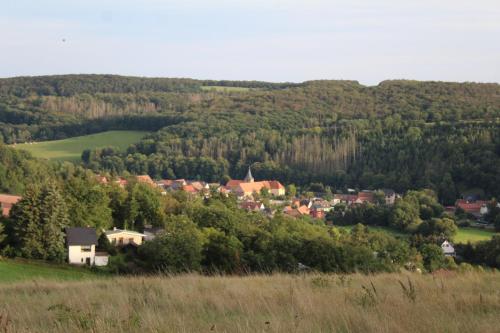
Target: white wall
78 257
101 260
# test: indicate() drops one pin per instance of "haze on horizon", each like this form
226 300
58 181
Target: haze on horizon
273 40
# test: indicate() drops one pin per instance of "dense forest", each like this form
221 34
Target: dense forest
398 134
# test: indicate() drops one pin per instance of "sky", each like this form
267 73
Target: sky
269 40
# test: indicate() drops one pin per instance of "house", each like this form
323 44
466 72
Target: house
102 179
248 186
145 179
364 197
321 205
389 196
119 237
81 244
122 182
347 199
317 214
296 212
448 249
6 203
252 206
189 189
476 208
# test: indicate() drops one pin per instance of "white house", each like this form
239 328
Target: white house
448 249
118 237
81 243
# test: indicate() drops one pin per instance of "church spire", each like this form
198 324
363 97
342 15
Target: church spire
249 177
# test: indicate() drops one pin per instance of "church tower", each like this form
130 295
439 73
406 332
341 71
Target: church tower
249 177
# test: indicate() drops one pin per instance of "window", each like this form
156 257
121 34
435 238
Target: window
120 241
86 248
130 240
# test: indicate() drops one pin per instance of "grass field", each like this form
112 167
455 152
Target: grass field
225 89
72 148
451 302
16 271
463 235
472 235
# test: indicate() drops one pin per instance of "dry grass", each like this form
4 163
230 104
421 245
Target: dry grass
280 303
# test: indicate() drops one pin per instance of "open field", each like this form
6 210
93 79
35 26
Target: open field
472 235
225 89
463 235
450 302
17 271
71 149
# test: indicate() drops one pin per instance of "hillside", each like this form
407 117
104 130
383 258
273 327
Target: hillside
398 134
446 302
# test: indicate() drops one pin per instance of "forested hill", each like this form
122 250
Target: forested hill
399 134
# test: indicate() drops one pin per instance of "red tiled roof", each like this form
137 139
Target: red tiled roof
275 185
144 179
470 207
189 188
6 202
233 183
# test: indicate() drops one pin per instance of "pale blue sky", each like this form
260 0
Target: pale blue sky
273 40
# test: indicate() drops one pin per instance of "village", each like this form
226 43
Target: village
267 197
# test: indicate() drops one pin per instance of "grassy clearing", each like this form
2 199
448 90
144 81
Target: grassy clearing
71 149
278 303
16 271
463 235
472 235
225 89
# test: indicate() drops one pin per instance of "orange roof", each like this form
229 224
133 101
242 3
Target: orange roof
6 202
275 185
251 187
9 199
102 179
144 179
189 188
470 207
233 183
303 210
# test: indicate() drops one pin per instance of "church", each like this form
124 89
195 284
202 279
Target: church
248 186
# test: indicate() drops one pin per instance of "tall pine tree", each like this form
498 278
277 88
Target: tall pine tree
39 222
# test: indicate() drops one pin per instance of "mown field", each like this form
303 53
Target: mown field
225 89
19 270
71 149
463 235
446 302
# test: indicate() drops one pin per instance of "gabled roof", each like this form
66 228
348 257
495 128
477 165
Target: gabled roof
189 189
233 183
144 179
81 236
275 185
9 199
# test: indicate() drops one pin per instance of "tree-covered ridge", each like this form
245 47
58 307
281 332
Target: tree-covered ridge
399 134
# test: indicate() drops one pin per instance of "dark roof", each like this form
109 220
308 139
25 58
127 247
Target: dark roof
81 236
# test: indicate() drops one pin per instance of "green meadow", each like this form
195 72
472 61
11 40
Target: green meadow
22 270
225 89
463 235
71 149
472 235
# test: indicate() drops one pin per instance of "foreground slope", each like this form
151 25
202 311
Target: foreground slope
279 303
